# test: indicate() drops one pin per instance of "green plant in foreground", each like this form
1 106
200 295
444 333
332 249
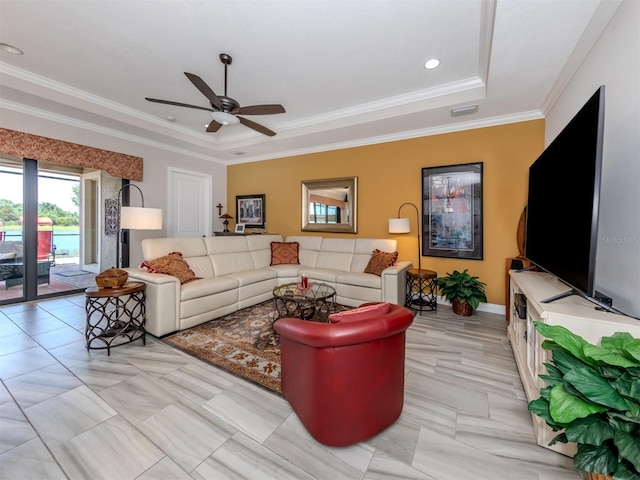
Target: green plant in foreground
462 286
593 395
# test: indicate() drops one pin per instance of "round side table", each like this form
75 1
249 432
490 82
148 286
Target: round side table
421 290
115 316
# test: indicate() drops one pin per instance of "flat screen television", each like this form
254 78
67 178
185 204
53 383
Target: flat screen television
564 193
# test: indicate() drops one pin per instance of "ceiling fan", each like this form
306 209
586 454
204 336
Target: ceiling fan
225 110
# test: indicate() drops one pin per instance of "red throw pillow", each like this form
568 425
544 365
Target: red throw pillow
380 260
367 312
172 264
284 253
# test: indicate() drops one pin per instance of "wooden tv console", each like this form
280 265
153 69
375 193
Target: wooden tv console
574 313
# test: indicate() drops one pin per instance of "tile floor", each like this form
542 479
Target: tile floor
153 412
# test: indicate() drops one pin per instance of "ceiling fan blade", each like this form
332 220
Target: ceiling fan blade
178 104
205 90
256 126
213 126
260 110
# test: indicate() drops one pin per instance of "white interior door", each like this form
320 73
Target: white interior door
189 203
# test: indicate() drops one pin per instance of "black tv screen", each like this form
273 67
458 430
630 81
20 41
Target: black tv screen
562 207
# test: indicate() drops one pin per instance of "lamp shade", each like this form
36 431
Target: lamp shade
140 218
399 225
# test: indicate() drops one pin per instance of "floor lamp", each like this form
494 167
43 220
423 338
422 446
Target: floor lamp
403 225
135 218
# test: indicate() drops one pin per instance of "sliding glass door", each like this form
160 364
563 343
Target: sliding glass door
11 232
40 231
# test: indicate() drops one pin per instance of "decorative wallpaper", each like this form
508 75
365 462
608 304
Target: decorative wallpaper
25 145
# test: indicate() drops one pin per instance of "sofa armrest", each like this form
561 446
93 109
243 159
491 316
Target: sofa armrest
394 282
143 275
162 301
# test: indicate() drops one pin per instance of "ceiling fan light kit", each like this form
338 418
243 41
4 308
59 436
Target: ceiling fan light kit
225 118
224 109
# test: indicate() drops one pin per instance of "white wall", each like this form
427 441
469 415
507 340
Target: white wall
156 163
614 62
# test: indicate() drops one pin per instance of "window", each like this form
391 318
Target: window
321 213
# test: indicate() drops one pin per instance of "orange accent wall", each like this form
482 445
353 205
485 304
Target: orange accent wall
390 174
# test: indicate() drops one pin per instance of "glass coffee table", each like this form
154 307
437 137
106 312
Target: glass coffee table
314 303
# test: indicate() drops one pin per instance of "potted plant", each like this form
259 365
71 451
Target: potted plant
593 397
463 291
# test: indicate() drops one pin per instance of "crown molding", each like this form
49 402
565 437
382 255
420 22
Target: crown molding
442 129
72 122
38 85
470 89
599 21
426 132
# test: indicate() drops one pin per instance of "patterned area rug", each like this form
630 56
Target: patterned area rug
244 343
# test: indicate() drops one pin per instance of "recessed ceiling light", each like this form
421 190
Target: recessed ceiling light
11 49
432 63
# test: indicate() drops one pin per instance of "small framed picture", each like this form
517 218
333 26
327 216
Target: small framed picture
240 228
250 210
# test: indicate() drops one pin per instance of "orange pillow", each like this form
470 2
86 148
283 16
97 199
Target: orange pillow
379 261
284 253
368 312
172 264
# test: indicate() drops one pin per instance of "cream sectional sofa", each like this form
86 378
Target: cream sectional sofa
236 273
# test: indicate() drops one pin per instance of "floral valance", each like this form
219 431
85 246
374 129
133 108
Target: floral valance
25 145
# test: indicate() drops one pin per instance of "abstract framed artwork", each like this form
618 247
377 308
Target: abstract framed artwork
452 209
250 210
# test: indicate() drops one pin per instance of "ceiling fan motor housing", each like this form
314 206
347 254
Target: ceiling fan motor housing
228 104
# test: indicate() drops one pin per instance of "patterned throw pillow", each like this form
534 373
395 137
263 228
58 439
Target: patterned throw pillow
172 264
368 312
379 261
284 253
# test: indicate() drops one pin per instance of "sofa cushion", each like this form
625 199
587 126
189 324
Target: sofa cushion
324 275
284 253
260 248
200 265
208 287
248 277
363 249
367 312
286 270
157 247
309 248
367 280
379 261
172 264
